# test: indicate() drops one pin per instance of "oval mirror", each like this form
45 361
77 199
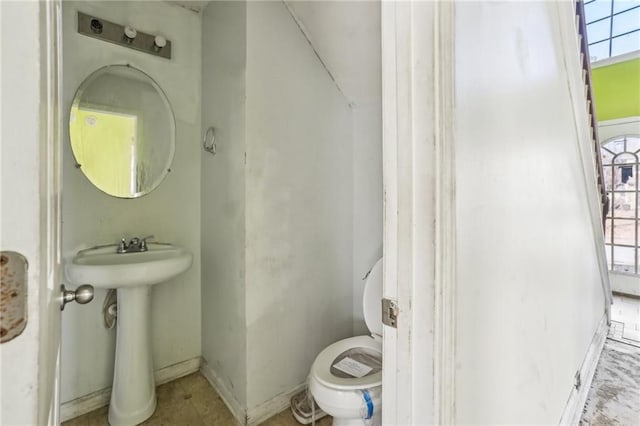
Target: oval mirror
122 131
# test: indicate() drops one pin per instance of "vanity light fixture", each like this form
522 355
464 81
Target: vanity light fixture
123 35
130 34
159 43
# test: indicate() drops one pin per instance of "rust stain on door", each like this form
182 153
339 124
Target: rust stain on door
13 295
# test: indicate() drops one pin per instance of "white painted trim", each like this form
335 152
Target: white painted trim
236 409
51 191
628 284
85 404
578 397
175 371
419 228
270 408
616 59
566 27
93 401
390 383
618 121
445 261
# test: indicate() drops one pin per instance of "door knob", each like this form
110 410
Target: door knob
82 295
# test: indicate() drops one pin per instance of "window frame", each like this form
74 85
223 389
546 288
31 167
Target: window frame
611 17
609 167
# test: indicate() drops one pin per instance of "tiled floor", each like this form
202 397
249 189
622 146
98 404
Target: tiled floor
615 391
188 401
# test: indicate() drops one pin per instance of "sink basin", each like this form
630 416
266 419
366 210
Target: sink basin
104 268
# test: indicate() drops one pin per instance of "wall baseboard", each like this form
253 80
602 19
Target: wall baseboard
625 284
272 407
578 397
175 371
87 403
236 409
252 416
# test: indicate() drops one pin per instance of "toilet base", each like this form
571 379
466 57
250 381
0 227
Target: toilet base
345 406
375 421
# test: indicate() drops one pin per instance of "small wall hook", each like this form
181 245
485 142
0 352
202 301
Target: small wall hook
209 141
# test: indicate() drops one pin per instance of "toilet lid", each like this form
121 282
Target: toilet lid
371 300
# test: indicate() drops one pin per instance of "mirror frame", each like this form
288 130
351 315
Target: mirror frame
83 86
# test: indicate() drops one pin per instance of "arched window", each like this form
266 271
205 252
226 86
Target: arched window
620 159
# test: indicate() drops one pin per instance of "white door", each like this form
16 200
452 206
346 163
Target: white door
29 206
419 212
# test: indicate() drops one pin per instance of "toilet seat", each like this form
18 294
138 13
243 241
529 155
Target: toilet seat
321 368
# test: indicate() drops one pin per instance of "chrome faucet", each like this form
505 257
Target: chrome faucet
135 244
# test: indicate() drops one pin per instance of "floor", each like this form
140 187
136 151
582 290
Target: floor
614 395
188 401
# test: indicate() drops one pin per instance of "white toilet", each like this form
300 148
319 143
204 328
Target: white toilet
346 377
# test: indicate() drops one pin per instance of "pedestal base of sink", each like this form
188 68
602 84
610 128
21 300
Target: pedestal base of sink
133 396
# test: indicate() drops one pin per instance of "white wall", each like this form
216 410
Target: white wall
277 220
223 196
529 292
171 212
299 197
351 51
367 200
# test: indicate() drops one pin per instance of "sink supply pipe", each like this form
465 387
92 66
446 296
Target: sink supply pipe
110 308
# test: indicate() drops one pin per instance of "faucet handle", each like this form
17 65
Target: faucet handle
143 242
122 246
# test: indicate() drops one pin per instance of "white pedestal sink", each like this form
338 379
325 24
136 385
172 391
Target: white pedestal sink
133 397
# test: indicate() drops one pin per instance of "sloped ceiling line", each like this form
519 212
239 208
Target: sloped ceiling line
192 5
315 51
344 36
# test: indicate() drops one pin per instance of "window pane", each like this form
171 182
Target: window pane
625 22
624 259
625 44
608 248
624 204
633 144
607 178
597 9
624 158
620 5
599 51
599 31
624 177
607 231
624 231
629 177
615 145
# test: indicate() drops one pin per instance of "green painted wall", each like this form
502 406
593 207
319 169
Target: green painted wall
617 90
